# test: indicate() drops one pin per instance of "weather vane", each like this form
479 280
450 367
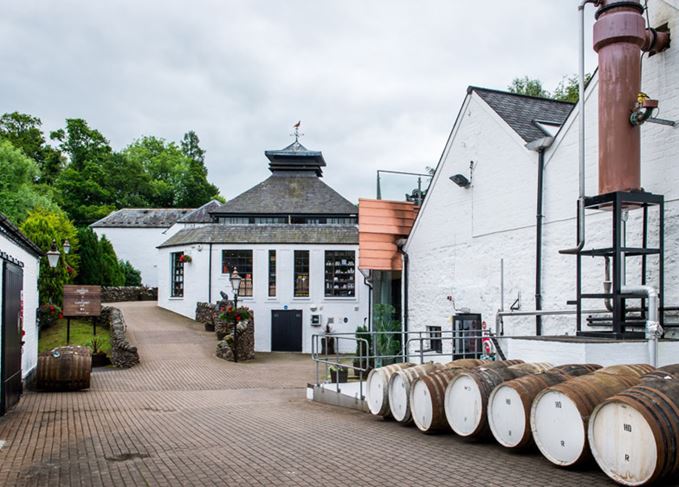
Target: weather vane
297 133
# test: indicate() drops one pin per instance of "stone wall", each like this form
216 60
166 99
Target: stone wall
128 293
246 342
206 313
123 354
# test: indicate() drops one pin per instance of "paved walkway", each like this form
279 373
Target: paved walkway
184 417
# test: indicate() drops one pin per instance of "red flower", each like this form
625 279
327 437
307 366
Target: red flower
230 309
61 315
237 317
23 333
69 269
51 308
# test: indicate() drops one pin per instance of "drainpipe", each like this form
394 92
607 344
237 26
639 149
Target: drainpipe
539 145
209 276
653 328
404 299
581 137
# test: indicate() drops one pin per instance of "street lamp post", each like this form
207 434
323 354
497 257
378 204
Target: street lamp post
235 286
53 256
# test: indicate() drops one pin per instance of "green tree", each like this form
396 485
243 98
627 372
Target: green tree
44 226
112 274
18 193
24 132
176 180
90 258
528 86
191 147
83 187
81 144
132 275
568 88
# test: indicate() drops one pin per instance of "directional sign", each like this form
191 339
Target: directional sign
82 300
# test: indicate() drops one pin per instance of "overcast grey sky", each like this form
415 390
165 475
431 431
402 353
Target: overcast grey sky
377 84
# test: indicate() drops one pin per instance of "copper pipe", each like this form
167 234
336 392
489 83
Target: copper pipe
620 35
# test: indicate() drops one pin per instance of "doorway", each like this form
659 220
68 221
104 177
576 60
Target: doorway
10 366
286 330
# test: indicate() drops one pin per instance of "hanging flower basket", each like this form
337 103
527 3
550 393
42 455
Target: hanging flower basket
185 259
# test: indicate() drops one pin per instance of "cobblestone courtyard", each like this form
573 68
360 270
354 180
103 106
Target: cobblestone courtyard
184 417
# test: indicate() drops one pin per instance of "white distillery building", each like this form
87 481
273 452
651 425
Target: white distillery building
20 259
136 232
464 231
292 238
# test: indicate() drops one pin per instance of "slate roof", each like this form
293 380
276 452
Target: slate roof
202 214
9 230
143 217
521 111
265 234
284 193
296 157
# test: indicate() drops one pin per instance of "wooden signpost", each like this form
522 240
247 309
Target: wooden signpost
81 301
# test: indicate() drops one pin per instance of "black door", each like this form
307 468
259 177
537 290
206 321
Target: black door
12 284
286 330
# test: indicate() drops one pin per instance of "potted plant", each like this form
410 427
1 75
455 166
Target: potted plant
338 374
99 358
228 317
185 259
327 343
388 342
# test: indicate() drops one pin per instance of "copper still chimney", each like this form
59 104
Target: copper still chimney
620 35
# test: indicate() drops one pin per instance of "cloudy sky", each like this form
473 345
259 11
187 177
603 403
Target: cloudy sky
377 84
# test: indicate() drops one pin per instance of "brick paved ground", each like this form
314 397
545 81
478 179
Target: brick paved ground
186 418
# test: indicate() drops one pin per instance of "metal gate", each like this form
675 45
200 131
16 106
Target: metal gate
12 285
286 330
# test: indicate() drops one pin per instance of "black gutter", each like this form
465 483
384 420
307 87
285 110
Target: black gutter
539 146
539 217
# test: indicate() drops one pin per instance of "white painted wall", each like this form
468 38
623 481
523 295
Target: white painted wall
196 275
29 358
461 234
138 245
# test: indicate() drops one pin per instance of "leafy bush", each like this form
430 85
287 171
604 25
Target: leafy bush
132 275
43 226
389 341
229 315
111 272
48 314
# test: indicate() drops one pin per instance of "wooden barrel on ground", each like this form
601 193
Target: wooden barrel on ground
637 370
577 370
466 398
509 404
399 389
64 369
427 395
634 435
559 414
465 363
532 367
662 374
377 388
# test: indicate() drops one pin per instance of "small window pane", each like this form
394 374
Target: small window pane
242 260
340 273
435 342
177 274
301 273
272 273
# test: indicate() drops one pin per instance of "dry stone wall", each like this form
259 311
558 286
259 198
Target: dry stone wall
117 294
123 355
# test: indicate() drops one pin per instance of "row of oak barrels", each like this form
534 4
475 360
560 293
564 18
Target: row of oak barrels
625 416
